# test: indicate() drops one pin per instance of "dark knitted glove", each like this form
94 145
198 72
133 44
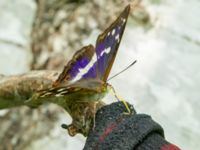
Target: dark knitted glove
116 130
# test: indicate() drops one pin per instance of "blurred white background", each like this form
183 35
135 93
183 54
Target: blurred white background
164 83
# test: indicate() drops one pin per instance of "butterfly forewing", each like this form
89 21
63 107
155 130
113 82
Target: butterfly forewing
108 42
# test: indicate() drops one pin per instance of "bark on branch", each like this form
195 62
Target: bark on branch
15 90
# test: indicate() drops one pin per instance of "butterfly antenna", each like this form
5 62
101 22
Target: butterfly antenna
122 70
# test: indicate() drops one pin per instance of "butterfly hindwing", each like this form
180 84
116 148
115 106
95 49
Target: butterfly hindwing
79 61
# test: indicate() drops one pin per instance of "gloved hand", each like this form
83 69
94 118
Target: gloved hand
115 129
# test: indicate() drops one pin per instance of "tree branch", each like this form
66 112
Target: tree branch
14 90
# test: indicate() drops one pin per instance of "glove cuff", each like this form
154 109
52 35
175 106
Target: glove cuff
129 133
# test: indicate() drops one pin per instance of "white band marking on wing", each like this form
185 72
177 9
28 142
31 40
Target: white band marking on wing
117 38
83 71
107 50
113 31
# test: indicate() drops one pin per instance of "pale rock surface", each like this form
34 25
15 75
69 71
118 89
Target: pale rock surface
165 82
15 28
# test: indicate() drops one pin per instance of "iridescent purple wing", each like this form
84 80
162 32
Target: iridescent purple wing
78 63
107 45
86 65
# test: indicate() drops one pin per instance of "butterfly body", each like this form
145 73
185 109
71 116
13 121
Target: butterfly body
83 82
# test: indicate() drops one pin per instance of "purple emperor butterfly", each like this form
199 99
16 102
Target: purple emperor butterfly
83 82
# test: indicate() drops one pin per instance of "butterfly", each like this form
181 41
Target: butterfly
83 81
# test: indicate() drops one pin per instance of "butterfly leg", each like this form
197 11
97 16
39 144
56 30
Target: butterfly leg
94 114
